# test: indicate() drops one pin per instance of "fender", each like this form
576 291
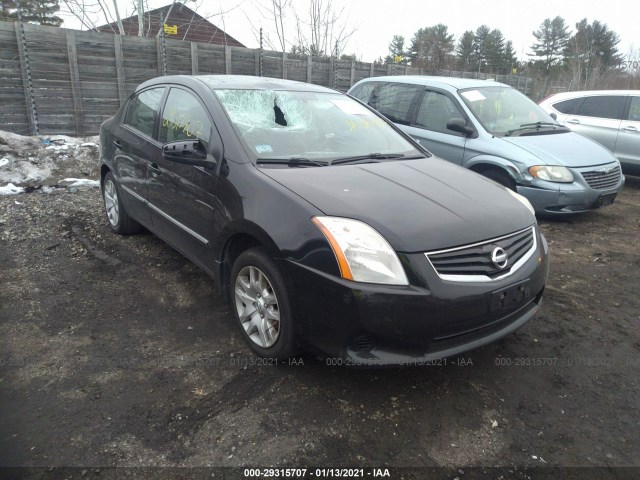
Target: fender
480 162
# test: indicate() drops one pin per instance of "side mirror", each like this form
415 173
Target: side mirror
460 126
553 115
189 152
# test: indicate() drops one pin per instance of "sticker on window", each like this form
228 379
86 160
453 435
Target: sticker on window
473 95
351 107
263 148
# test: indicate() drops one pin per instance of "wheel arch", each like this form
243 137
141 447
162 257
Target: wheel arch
482 164
104 169
236 239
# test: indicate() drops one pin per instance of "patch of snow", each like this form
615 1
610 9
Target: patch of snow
82 182
57 148
24 171
32 161
10 189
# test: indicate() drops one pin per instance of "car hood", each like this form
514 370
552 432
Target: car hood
568 149
417 205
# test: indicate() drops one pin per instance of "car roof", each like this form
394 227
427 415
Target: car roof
449 83
584 93
240 82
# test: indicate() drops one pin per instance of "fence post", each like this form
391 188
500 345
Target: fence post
256 53
284 65
161 49
309 68
122 85
352 75
195 68
76 91
27 82
332 73
371 70
227 59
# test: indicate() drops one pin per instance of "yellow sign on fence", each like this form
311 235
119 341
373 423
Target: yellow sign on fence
171 30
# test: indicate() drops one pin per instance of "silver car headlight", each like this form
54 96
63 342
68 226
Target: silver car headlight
363 254
551 173
524 200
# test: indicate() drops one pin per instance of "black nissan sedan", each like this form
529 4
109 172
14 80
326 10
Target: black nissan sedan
326 227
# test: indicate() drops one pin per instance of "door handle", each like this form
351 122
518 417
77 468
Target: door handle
154 168
117 144
574 121
630 128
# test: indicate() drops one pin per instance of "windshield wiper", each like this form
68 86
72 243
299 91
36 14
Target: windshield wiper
293 162
369 156
527 126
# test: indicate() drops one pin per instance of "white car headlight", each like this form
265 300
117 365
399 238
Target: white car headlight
363 254
524 200
551 173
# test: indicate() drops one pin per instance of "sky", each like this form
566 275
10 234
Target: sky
376 22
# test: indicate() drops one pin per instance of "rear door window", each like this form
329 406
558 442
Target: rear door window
569 107
604 106
142 110
396 101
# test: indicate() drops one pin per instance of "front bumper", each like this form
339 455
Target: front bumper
551 199
376 325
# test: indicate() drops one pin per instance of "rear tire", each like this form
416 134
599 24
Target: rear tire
260 303
501 177
119 220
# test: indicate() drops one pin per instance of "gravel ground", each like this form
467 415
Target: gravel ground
114 351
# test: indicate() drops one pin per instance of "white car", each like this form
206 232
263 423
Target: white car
610 117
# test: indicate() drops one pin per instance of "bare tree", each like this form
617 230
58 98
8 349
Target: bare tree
89 11
325 32
119 20
140 9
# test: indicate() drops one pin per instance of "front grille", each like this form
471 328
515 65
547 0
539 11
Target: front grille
599 180
474 262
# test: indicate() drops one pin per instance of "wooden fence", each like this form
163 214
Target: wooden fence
60 81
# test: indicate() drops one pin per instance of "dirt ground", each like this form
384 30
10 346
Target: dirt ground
114 351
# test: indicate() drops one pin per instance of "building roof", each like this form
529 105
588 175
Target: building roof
188 26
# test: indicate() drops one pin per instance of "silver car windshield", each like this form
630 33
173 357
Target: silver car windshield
503 109
310 126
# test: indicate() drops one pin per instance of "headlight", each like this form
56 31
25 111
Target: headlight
525 201
551 173
363 254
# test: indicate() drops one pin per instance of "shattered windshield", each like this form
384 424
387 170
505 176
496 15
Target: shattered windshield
309 125
503 109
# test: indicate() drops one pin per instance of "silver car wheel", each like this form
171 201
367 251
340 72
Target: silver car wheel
257 306
111 203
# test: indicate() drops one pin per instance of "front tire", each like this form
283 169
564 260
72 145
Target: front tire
119 220
260 302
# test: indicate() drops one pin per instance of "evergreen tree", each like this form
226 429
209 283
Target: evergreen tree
590 51
510 59
551 41
495 51
431 47
396 49
464 50
8 11
480 43
42 12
